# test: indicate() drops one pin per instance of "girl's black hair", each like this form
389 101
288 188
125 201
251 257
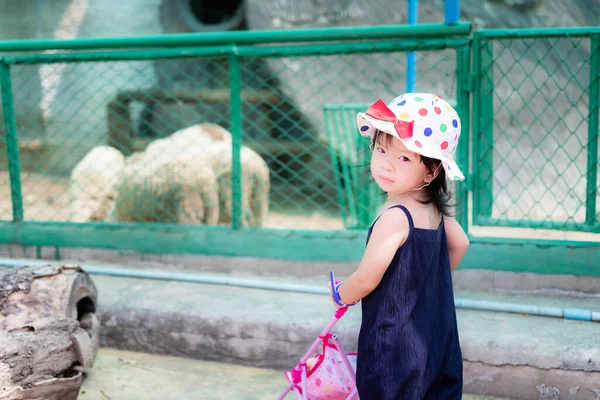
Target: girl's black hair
437 192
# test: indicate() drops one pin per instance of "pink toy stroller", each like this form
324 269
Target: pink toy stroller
328 376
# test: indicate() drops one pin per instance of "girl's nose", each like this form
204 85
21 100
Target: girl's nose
387 166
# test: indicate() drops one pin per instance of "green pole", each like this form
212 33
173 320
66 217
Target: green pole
235 86
327 34
462 98
12 146
536 33
592 147
483 144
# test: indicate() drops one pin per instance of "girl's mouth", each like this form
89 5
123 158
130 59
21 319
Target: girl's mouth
384 179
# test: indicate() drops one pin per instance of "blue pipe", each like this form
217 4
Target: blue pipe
411 58
578 314
451 16
451 11
483 305
176 276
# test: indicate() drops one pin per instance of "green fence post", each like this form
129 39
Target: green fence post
345 151
463 68
235 101
483 145
592 147
12 146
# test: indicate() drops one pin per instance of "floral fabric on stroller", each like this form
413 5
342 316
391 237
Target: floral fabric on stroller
328 376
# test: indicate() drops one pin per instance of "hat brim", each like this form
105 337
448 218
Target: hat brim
367 127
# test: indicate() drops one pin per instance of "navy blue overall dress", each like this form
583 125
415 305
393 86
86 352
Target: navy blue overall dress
408 346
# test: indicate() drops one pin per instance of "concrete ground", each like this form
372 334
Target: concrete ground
505 355
125 375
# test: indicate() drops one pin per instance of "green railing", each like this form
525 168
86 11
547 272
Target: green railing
127 93
267 186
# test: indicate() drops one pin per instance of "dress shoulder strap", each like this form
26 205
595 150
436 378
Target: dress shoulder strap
410 219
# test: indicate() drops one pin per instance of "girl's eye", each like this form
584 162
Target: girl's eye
380 150
403 158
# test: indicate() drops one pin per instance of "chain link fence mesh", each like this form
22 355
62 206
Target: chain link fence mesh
295 144
149 141
534 133
533 141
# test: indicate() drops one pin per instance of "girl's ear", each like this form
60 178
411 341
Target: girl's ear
431 175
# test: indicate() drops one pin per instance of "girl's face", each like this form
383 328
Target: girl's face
396 169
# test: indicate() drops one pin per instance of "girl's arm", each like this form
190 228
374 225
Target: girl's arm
389 233
458 243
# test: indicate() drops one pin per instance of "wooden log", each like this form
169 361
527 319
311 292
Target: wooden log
52 389
38 356
48 332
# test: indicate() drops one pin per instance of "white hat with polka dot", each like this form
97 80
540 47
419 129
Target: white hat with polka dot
424 122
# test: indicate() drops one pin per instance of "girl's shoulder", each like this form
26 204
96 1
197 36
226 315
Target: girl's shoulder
389 231
395 210
405 214
393 218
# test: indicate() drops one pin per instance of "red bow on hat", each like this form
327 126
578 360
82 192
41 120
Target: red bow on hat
380 111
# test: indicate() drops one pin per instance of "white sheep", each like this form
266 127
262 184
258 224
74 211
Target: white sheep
93 182
210 144
255 183
167 189
184 178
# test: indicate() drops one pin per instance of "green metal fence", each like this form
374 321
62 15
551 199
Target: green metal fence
534 162
119 143
536 124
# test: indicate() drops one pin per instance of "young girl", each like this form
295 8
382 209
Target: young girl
408 345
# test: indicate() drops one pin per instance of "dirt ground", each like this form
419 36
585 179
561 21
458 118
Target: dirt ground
123 375
46 199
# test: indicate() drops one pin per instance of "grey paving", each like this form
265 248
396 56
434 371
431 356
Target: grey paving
506 354
125 375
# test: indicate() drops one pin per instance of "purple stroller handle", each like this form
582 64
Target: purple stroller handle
332 279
